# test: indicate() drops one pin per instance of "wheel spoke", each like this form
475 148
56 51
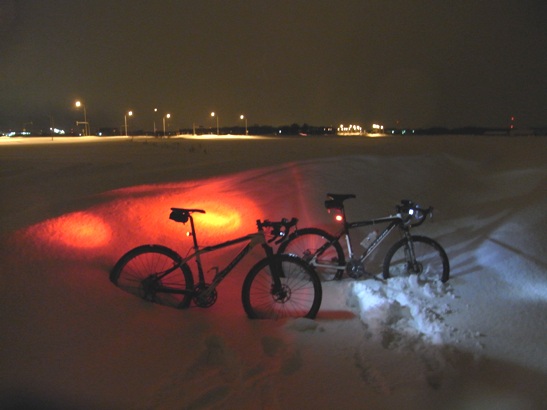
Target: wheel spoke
298 295
137 273
306 244
428 260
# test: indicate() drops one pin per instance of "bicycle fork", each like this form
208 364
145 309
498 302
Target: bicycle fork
279 291
413 266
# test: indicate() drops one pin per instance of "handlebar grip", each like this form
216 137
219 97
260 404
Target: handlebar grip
413 211
423 216
281 228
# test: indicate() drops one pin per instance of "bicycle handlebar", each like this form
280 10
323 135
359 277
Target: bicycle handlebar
279 229
412 210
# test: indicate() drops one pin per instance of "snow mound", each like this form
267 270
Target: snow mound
404 313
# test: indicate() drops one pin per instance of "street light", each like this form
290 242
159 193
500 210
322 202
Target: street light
129 113
242 117
86 124
155 112
165 116
214 115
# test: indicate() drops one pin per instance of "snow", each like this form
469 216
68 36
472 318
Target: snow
72 206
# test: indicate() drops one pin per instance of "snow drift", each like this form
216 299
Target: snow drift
71 339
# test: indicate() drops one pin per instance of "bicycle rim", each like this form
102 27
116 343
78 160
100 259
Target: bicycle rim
299 295
136 273
306 243
430 261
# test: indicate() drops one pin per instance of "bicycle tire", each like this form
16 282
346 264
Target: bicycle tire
430 255
301 290
305 242
133 268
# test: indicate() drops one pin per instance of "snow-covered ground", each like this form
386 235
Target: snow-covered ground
70 339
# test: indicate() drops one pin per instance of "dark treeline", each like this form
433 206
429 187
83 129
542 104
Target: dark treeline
302 130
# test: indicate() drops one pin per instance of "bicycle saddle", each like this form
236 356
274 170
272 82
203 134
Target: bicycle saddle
182 214
336 201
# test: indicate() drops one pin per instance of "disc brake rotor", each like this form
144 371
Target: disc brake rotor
282 295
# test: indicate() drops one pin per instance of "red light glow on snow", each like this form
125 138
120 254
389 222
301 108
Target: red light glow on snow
221 217
138 215
229 213
83 230
78 230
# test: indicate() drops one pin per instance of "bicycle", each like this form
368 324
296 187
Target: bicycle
277 286
412 254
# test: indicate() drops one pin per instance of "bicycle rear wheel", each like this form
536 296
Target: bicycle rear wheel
306 243
299 296
136 272
431 261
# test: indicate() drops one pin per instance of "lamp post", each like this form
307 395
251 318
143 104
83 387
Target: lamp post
155 112
242 117
86 124
215 115
128 114
164 117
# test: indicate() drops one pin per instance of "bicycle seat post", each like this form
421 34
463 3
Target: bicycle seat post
193 233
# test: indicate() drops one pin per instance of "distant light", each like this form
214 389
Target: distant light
57 131
352 129
338 218
13 133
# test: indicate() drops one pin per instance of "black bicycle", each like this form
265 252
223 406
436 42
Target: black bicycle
277 286
412 254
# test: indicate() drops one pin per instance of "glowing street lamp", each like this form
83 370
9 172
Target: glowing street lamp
155 112
214 115
242 117
86 124
164 117
129 113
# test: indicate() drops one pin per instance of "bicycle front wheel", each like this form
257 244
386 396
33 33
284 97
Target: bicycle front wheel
306 244
299 293
430 260
137 273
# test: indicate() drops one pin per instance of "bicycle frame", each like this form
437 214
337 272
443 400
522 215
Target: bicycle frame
253 239
392 220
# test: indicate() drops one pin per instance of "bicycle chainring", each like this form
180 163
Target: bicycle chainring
355 269
204 299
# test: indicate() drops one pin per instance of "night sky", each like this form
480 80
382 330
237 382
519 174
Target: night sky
401 63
